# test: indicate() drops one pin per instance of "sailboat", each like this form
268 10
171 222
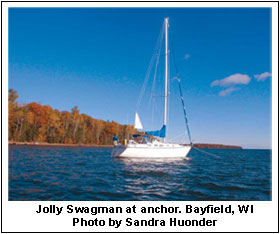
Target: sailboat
147 145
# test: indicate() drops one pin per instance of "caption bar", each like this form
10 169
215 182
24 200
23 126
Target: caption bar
186 214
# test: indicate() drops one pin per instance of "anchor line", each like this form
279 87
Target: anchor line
202 151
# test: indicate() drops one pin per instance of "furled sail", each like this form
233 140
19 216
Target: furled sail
159 133
137 123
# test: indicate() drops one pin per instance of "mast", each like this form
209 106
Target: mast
166 73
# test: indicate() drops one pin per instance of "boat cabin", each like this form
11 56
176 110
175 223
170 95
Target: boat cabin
141 139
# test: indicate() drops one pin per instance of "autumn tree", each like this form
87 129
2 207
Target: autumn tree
12 109
34 122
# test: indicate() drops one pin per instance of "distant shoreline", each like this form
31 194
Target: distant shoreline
58 144
216 146
197 145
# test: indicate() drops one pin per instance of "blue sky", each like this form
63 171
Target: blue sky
97 58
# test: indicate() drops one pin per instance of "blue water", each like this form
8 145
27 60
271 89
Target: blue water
90 174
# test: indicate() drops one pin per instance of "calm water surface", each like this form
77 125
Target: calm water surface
80 173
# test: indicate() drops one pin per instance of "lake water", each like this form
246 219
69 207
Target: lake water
90 174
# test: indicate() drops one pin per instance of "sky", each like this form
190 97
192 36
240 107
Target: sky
97 59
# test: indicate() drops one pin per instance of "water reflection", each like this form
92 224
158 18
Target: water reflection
129 161
153 179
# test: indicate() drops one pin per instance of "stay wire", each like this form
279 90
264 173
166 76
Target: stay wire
181 94
148 71
158 53
202 151
157 62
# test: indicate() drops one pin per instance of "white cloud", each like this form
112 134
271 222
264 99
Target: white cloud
263 76
228 91
232 80
187 56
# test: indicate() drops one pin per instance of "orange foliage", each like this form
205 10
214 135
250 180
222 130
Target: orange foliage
36 122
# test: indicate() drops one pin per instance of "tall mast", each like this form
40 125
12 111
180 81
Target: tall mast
166 73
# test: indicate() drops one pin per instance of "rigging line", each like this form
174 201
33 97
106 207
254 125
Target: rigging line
153 109
182 98
148 73
152 98
157 62
158 53
183 138
157 96
202 151
182 134
144 83
184 109
168 96
173 56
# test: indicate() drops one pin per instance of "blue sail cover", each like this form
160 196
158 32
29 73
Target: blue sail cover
159 133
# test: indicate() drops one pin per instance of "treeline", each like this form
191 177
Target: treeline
34 122
215 146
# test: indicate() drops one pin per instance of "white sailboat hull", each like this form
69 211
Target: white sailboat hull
145 151
144 147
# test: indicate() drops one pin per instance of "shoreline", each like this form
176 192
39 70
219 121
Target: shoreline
197 145
215 146
59 144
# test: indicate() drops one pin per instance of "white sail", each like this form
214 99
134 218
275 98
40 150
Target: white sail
137 123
